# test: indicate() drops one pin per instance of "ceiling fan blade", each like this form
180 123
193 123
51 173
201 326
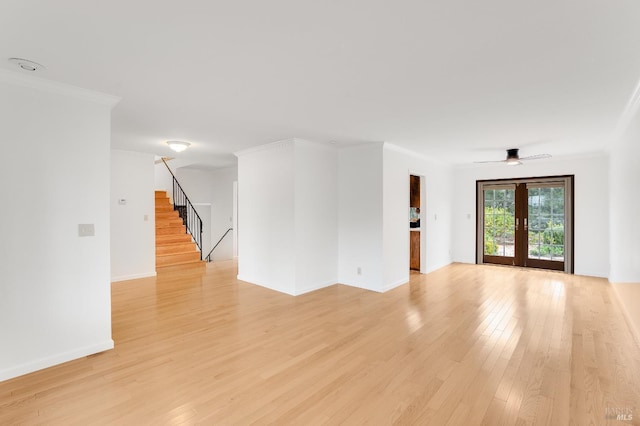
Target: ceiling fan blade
536 157
491 161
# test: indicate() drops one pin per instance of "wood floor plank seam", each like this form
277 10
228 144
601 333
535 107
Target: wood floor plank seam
464 345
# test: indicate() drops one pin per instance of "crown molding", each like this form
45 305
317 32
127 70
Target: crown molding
19 79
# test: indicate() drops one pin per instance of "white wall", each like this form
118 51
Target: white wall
350 215
360 216
591 206
55 302
162 179
234 219
625 206
214 187
316 215
435 222
266 239
625 222
133 223
162 176
288 216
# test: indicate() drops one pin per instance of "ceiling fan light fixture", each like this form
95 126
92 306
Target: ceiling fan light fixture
178 146
513 157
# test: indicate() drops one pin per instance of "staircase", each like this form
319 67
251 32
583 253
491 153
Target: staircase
174 246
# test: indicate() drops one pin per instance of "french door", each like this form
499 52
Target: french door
526 222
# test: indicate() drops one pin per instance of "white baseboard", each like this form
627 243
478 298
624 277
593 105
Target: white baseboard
261 284
395 284
133 276
434 268
296 293
360 286
633 326
50 361
316 287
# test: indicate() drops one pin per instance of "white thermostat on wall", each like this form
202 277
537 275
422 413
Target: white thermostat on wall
122 201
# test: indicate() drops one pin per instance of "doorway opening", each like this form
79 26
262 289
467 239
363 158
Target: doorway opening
526 222
415 228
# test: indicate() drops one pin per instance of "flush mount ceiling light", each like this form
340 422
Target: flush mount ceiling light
513 162
26 64
178 146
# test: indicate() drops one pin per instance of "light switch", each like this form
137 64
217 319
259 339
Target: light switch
86 230
146 217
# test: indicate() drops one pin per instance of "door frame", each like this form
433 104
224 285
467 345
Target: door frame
568 181
423 219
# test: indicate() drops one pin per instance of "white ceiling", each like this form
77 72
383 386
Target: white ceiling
462 79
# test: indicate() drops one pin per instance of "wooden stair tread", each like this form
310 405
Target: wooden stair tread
174 246
169 249
172 259
186 254
173 238
171 230
191 262
167 215
165 223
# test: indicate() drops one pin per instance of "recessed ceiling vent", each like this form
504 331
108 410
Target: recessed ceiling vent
26 64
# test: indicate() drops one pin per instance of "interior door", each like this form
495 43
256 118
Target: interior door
526 222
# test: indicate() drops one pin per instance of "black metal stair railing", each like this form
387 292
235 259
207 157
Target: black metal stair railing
208 258
187 212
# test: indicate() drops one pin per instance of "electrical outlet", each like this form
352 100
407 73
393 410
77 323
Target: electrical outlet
86 230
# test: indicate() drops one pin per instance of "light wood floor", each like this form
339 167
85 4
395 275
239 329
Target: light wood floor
464 345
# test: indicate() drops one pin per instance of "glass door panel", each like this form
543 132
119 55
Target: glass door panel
499 222
546 225
526 222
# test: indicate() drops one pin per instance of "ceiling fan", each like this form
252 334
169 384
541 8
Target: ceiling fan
514 159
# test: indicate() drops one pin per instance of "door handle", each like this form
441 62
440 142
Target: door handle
526 226
517 223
